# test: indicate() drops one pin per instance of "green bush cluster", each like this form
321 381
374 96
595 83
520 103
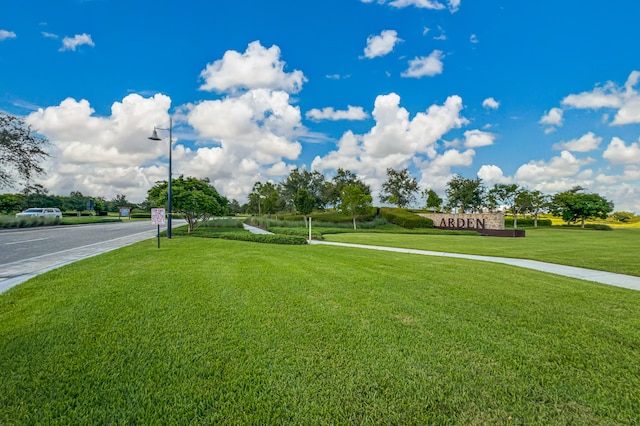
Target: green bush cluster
220 223
140 216
405 219
265 238
526 221
316 233
27 221
593 226
268 223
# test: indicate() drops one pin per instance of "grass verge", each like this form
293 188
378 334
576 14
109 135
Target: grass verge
614 251
213 331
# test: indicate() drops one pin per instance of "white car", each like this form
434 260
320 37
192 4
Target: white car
44 212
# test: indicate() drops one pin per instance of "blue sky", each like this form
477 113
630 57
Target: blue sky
544 94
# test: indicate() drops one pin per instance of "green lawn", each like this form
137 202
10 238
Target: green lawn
613 251
207 331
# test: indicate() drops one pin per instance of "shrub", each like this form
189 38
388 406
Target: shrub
405 219
265 238
593 226
140 215
220 223
27 221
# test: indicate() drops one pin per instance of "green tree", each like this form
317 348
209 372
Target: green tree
304 203
574 205
20 151
510 195
11 203
399 189
314 182
354 201
75 202
265 198
196 199
467 194
37 195
234 207
434 202
534 203
342 179
623 217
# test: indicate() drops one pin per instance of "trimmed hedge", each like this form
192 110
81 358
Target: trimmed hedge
405 219
526 221
593 226
27 221
265 238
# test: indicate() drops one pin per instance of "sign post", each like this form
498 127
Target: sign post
158 218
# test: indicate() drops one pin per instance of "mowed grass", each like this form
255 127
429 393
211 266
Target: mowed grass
206 331
613 251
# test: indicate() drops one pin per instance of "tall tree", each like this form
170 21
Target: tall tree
196 199
314 182
467 194
400 188
20 151
342 179
76 201
510 195
265 198
354 201
304 203
434 201
575 205
534 202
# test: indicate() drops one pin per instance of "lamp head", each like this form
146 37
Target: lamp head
154 136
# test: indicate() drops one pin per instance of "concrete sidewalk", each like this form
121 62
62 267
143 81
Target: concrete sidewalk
609 278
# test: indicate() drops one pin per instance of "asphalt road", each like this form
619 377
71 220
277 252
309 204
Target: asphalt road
25 253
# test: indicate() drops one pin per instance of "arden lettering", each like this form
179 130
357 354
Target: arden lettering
462 223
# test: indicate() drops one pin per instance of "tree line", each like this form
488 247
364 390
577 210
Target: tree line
303 191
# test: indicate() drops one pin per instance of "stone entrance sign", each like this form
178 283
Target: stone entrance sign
472 222
484 223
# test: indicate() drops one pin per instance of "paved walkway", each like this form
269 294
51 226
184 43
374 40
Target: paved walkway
609 278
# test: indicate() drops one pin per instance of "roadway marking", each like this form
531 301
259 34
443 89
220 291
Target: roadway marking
27 241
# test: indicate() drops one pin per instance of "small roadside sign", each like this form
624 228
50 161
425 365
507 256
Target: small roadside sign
158 216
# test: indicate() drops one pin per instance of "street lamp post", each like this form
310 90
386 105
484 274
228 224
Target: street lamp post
155 137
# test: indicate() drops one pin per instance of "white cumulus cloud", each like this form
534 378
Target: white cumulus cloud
490 103
425 66
587 142
619 153
478 138
553 117
329 113
380 45
103 155
258 67
71 43
626 100
396 140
